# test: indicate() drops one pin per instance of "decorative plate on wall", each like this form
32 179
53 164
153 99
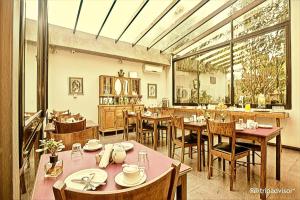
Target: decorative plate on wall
118 87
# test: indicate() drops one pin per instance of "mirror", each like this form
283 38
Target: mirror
118 86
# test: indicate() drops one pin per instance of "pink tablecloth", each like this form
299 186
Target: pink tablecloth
158 162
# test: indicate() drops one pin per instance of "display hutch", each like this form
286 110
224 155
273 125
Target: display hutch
115 95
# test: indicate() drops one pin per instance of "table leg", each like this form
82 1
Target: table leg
263 170
182 189
278 156
155 135
199 167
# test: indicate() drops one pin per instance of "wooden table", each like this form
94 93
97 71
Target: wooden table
156 119
50 127
158 162
263 136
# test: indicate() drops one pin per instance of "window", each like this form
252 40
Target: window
249 58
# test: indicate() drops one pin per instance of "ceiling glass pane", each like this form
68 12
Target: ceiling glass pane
151 11
32 9
93 13
120 17
180 9
267 14
63 12
221 35
196 17
218 18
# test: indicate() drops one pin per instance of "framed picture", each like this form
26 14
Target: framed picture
75 86
152 91
213 80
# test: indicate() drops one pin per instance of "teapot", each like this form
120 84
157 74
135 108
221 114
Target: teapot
118 154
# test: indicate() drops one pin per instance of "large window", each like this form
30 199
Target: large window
248 58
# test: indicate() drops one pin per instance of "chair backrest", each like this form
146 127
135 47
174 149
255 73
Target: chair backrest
139 121
65 117
69 139
63 127
236 116
226 129
178 123
160 188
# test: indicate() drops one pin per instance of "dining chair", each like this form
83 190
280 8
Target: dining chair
65 117
127 125
143 129
64 127
69 139
226 150
255 147
163 126
182 141
161 188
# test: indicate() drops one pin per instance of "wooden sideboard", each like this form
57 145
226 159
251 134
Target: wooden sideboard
110 117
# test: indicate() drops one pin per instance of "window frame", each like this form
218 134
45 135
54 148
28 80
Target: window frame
286 25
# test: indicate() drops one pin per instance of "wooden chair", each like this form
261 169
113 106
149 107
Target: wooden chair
127 125
65 117
246 143
163 126
160 188
69 139
63 127
228 151
143 129
183 140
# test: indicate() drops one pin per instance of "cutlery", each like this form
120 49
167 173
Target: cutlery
84 182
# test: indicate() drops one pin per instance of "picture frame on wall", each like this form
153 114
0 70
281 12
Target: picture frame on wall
152 91
75 86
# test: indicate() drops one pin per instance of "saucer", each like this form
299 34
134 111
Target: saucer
126 145
100 177
119 179
87 148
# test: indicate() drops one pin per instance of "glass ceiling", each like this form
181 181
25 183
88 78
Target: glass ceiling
179 17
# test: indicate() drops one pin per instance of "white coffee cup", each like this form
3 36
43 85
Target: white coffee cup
131 173
93 143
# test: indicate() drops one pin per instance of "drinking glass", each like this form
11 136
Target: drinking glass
76 150
143 161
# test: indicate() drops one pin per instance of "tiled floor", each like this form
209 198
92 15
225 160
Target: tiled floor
199 187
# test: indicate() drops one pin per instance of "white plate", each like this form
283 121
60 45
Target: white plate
87 148
264 126
119 179
186 120
100 177
126 145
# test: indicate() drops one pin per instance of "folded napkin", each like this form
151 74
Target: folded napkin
106 156
70 120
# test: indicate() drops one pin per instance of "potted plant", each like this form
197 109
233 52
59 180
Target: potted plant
54 167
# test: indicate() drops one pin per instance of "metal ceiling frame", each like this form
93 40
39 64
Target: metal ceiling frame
158 18
177 23
220 25
201 22
77 18
107 15
133 18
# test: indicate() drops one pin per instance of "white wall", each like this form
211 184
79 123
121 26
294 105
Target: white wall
63 64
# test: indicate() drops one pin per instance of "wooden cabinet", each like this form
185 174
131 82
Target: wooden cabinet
119 90
110 117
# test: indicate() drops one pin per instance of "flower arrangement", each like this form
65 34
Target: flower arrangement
51 145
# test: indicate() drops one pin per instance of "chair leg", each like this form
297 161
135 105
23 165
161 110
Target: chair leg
203 154
182 154
191 152
173 150
234 170
224 165
209 166
248 167
253 158
231 174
